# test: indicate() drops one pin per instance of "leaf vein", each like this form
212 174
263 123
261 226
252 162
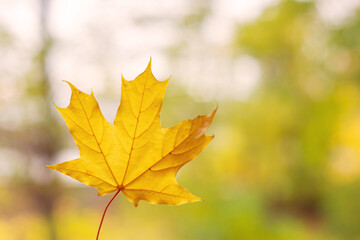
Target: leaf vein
96 139
76 124
148 190
93 149
136 126
161 158
89 175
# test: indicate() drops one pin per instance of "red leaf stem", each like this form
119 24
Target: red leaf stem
102 219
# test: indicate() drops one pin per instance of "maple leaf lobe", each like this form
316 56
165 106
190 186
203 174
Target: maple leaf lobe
135 154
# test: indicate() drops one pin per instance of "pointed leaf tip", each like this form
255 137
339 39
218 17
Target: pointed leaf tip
149 65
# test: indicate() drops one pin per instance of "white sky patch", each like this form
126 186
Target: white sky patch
246 76
336 12
242 11
227 14
19 20
97 44
97 41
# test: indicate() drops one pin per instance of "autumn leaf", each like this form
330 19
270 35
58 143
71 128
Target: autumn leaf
135 155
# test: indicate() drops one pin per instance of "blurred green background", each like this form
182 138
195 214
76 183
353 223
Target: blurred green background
285 161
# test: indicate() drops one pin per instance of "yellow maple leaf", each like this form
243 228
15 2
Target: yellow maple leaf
135 155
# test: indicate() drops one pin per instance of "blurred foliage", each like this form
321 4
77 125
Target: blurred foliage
297 118
285 164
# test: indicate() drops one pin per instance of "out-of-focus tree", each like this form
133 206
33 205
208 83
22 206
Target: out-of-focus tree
37 139
309 88
343 64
